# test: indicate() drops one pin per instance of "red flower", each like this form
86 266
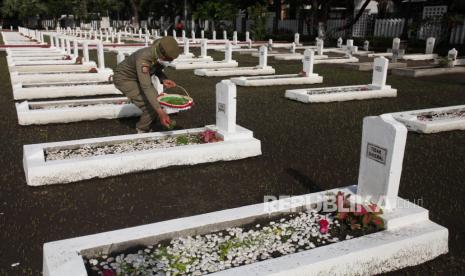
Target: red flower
324 226
360 210
109 272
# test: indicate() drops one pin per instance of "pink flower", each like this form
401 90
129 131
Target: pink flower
324 226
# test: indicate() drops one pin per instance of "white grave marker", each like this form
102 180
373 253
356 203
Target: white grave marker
319 47
366 45
247 36
430 45
225 35
380 68
297 38
214 35
309 57
203 48
382 154
235 38
263 59
226 106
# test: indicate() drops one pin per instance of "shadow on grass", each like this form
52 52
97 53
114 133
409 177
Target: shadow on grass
304 180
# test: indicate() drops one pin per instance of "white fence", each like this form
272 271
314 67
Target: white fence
457 35
48 23
389 27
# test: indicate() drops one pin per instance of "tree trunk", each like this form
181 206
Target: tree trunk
277 16
135 13
357 17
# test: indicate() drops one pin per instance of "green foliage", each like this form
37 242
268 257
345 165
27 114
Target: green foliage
182 140
356 215
215 10
258 13
23 9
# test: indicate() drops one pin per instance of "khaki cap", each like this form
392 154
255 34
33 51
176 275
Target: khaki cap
168 47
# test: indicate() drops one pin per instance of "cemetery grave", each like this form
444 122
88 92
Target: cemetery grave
377 89
185 64
261 69
237 143
447 65
434 119
306 77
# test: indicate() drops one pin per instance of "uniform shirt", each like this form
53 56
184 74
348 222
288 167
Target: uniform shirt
138 67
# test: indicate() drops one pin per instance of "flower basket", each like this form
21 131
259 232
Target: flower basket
176 101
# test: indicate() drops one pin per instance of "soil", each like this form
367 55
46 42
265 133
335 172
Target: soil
306 148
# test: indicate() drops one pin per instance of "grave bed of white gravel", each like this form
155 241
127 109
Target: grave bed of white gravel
98 149
233 247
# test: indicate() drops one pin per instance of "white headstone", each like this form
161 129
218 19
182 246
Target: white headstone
140 33
226 106
214 35
293 48
452 54
270 44
85 51
382 154
349 43
366 45
308 59
380 69
146 40
100 55
183 33
235 37
165 33
68 47
247 36
225 35
319 47
430 45
186 46
396 43
249 44
52 41
75 48
118 38
297 38
263 57
202 34
193 36
228 52
203 48
119 57
174 33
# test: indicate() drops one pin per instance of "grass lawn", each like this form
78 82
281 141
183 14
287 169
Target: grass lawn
306 148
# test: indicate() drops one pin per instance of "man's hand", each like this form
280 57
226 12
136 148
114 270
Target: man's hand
169 83
164 118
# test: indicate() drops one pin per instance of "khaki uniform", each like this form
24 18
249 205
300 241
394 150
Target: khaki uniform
133 78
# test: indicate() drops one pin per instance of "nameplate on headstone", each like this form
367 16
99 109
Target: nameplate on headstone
221 107
376 153
378 69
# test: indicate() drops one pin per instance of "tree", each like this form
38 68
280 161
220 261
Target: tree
23 9
216 11
258 14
